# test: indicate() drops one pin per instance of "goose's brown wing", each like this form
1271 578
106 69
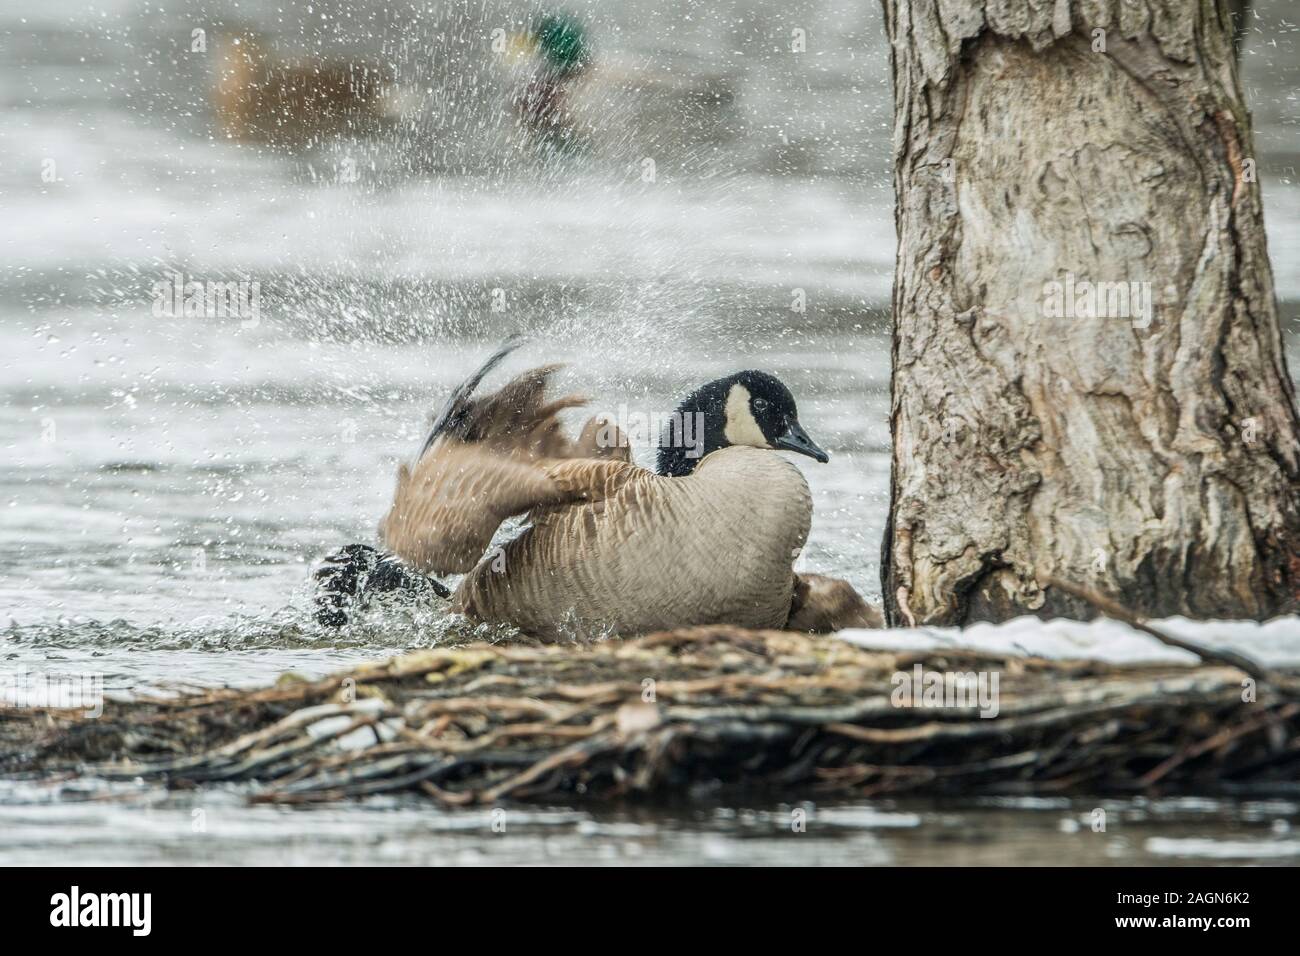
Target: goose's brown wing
488 459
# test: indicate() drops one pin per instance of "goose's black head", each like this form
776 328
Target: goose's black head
748 408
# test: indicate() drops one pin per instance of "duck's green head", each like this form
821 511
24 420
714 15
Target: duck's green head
747 408
562 40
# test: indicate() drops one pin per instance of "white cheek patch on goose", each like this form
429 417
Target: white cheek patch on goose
741 428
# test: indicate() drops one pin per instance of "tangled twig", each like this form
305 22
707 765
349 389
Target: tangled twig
786 712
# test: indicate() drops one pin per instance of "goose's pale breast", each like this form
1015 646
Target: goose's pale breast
716 546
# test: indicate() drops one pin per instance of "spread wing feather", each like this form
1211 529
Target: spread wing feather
488 459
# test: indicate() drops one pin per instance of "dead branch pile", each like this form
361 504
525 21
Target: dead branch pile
681 710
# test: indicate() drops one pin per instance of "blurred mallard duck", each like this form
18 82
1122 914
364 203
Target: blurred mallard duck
559 45
570 88
259 99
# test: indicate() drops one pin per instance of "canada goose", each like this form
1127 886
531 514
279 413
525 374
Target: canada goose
283 103
611 548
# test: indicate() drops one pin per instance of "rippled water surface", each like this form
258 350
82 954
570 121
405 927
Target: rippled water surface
167 482
217 827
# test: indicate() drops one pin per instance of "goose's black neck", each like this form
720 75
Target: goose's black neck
697 428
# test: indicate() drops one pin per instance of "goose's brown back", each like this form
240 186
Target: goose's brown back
650 552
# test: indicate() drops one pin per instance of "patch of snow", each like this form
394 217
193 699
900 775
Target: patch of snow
1274 643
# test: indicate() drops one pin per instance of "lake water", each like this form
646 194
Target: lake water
167 482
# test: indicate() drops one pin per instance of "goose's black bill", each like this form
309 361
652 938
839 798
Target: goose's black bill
795 439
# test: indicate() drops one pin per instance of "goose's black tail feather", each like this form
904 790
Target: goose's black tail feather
352 575
454 408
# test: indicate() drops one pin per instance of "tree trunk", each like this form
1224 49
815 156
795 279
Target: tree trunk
1239 24
1040 430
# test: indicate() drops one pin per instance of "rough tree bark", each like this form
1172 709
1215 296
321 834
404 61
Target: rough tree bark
1154 459
1240 12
